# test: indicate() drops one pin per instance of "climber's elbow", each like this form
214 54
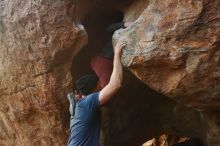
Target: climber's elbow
117 85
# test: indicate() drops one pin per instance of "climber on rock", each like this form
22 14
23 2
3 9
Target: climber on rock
85 124
103 60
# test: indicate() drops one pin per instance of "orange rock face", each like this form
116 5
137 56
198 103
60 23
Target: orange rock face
38 40
174 48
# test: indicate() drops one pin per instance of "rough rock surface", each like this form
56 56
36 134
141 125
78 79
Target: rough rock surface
174 47
137 113
37 39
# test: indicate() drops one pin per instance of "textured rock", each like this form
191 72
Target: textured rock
173 47
136 114
37 43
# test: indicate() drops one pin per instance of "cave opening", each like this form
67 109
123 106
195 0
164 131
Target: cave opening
137 113
99 16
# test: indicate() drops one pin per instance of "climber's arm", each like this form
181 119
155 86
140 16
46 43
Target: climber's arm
115 82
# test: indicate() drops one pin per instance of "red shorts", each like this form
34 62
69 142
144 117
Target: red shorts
103 68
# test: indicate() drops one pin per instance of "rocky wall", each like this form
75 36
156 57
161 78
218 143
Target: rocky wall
174 48
38 40
137 113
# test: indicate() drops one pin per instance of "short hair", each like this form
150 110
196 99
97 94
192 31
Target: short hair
87 84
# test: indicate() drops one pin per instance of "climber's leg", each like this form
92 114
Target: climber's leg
103 68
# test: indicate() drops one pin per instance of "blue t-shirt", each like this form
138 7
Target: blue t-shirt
85 125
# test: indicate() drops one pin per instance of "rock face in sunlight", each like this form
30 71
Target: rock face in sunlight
37 43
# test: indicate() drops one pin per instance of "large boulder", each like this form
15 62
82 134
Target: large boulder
173 47
136 113
38 40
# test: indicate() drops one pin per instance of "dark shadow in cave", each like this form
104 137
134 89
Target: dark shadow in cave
95 26
137 113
